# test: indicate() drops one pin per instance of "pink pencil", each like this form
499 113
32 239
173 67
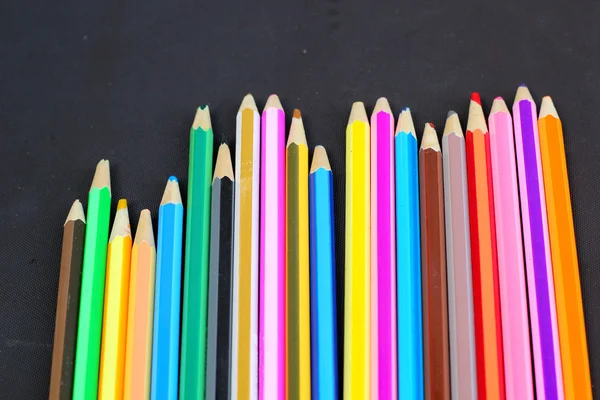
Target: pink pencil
518 379
383 255
271 370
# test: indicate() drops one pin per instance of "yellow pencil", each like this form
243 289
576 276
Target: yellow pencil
357 307
298 289
114 324
140 317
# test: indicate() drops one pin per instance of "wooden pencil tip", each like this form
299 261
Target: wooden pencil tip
548 108
523 94
248 102
297 133
145 232
358 113
102 176
76 212
430 139
121 225
202 118
273 102
223 166
405 123
476 119
320 160
172 193
498 106
453 125
476 98
382 104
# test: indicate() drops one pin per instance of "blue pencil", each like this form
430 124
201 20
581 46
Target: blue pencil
322 279
410 326
165 346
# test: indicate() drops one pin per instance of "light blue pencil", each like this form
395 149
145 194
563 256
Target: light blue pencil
322 279
167 299
410 327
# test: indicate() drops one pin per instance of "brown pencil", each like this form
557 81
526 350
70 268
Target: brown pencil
67 306
433 254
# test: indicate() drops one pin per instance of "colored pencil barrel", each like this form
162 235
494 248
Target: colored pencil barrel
297 263
323 322
486 292
67 305
567 288
195 284
357 296
511 267
116 301
140 317
408 263
271 366
433 254
544 330
244 373
165 345
89 330
218 343
384 372
463 375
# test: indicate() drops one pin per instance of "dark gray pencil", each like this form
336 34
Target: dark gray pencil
218 352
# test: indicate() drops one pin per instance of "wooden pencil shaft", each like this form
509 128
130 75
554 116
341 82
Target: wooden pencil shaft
67 311
435 307
218 357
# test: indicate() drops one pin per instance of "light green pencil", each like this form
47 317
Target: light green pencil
195 283
89 331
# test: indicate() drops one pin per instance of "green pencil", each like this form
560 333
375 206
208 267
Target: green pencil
195 283
89 331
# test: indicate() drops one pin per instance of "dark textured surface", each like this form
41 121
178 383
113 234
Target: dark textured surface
80 81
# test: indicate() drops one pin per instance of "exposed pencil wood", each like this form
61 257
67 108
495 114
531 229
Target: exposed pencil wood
202 119
297 134
248 102
320 160
405 123
358 113
430 139
223 167
102 175
548 108
172 193
273 102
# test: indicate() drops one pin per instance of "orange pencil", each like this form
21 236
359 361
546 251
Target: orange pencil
567 288
486 291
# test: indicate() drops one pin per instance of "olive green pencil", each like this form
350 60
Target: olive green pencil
89 331
195 283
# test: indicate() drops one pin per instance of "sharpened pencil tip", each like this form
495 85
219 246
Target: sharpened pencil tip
523 93
172 193
476 98
382 104
273 102
223 166
145 232
320 160
358 113
121 204
453 124
430 139
498 106
173 178
297 113
76 212
297 133
405 123
202 118
548 108
102 176
248 102
476 119
121 225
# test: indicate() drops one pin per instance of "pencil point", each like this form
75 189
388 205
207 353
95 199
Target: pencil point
320 160
476 98
297 113
273 102
297 133
476 119
405 123
76 212
202 118
121 204
145 232
498 106
121 225
548 108
430 139
172 193
102 176
358 113
248 102
382 105
223 167
523 94
173 178
453 125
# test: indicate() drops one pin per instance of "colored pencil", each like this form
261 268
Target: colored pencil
271 343
484 263
140 317
244 373
518 380
435 296
538 263
384 372
298 276
567 288
408 261
357 309
323 321
463 375
195 282
67 305
89 329
218 352
165 345
116 301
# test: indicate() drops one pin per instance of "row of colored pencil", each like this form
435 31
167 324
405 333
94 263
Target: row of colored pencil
442 299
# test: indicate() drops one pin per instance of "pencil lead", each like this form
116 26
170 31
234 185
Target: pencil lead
476 98
548 108
320 160
202 118
172 193
358 113
121 225
248 102
223 166
76 212
405 123
297 133
430 139
145 232
453 125
102 176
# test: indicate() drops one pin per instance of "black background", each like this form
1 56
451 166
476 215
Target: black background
81 81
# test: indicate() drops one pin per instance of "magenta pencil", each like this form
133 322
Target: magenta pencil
518 378
383 255
271 365
540 283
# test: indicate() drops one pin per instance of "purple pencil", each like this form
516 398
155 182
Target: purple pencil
271 367
544 332
383 255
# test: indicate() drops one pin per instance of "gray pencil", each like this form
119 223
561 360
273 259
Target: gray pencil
463 378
